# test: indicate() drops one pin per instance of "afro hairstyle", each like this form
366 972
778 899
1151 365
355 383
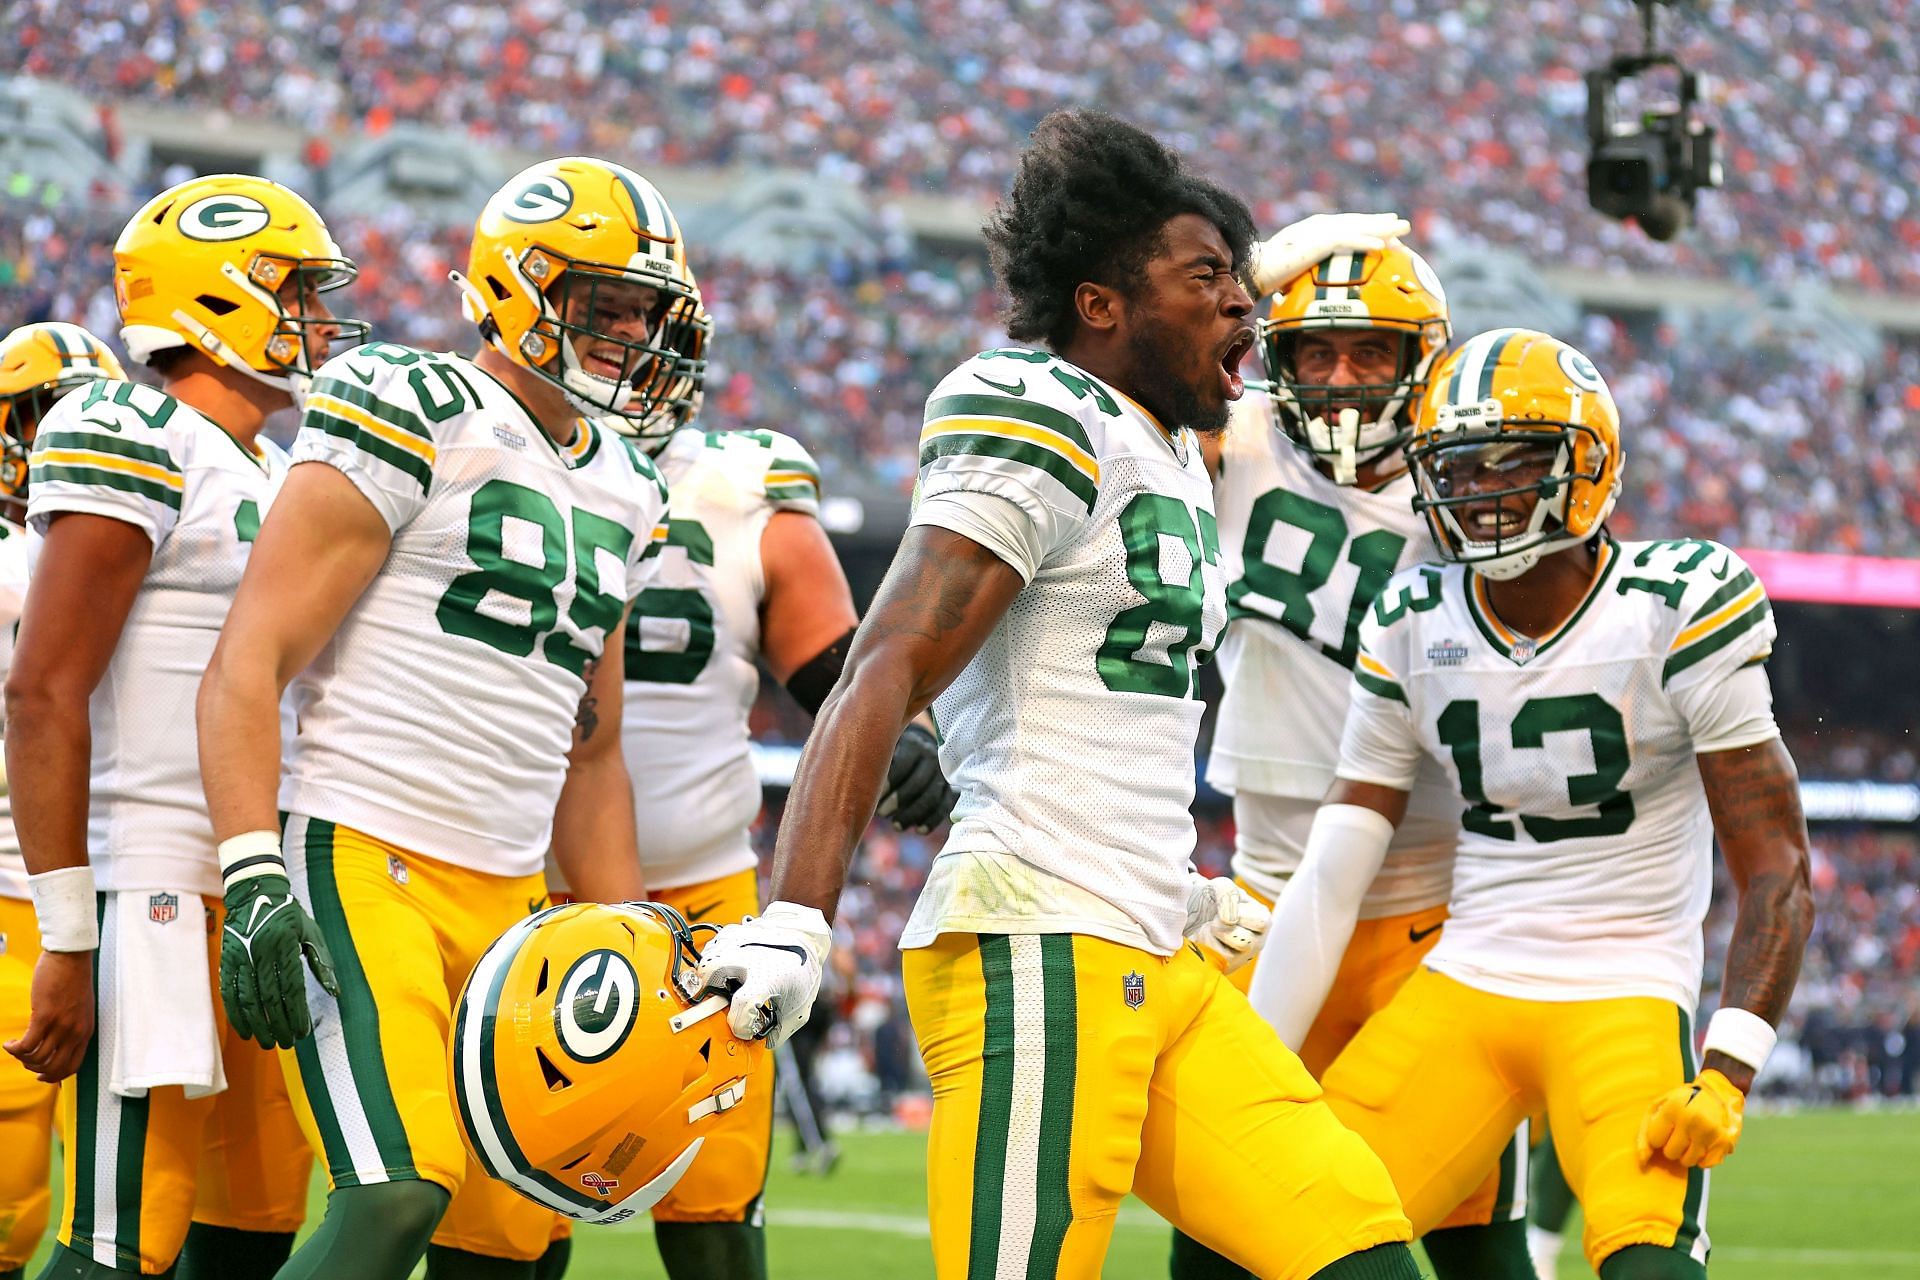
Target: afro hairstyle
1090 203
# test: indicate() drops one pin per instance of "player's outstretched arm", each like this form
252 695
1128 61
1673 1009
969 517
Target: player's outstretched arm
941 599
89 570
319 547
1314 917
593 824
1754 796
1753 793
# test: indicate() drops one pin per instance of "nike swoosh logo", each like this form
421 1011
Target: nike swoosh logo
1721 570
1421 935
1016 389
365 379
703 912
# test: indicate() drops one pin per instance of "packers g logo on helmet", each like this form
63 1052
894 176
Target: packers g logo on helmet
1514 413
587 1068
224 217
599 997
39 363
213 263
542 200
558 252
1393 291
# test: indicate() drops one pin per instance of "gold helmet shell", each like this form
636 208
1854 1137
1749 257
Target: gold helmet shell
39 363
1494 398
546 249
1392 290
588 1070
203 265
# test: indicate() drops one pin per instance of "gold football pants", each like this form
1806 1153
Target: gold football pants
1068 1071
1438 1081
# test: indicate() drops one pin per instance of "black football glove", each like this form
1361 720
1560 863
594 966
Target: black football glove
917 796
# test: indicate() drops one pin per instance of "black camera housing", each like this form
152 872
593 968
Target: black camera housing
1648 168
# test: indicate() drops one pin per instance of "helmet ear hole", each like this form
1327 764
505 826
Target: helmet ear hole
555 1078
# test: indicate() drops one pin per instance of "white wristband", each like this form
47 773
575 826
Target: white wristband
1741 1035
253 853
64 904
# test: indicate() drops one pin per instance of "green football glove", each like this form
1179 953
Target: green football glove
267 944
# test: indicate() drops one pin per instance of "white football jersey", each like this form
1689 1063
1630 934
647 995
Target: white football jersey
693 645
13 595
440 715
1070 735
131 452
1585 854
1304 559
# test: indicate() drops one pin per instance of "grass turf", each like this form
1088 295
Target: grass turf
1809 1195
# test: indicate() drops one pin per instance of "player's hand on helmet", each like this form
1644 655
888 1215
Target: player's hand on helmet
771 966
1295 248
1694 1124
917 797
1228 922
266 947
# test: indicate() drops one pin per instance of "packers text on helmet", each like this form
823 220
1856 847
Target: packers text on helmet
1516 453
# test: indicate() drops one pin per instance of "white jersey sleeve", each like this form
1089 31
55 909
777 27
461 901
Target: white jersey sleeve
1009 425
1723 632
1380 743
104 452
371 419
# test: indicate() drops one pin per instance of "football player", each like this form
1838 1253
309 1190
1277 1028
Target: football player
457 545
1316 513
1056 592
147 501
746 576
39 363
1602 710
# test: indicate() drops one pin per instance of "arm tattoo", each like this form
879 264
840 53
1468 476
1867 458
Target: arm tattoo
934 599
587 718
1755 798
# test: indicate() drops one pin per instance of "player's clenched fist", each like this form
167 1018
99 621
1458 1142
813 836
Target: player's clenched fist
1694 1124
771 966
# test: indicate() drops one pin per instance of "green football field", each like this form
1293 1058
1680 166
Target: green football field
1808 1196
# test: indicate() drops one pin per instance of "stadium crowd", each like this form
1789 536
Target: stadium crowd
1771 446
1468 117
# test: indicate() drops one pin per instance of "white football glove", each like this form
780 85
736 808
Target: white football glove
1225 919
771 966
1294 249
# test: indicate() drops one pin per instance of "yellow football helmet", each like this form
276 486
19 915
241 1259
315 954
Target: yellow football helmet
203 265
552 254
1392 290
587 1069
685 389
1514 412
39 363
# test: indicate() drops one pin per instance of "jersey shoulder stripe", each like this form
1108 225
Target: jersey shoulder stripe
1730 612
1015 430
347 403
112 437
793 478
1372 675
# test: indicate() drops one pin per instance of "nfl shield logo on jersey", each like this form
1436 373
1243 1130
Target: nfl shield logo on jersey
1524 647
1134 987
163 907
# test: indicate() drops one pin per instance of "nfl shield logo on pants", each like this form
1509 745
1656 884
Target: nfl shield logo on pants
163 907
1135 988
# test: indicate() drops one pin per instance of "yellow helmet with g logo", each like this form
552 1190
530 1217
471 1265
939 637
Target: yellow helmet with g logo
206 265
39 363
1513 413
559 253
1391 290
587 1070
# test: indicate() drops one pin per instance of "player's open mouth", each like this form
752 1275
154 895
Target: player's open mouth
1231 382
1497 522
602 367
